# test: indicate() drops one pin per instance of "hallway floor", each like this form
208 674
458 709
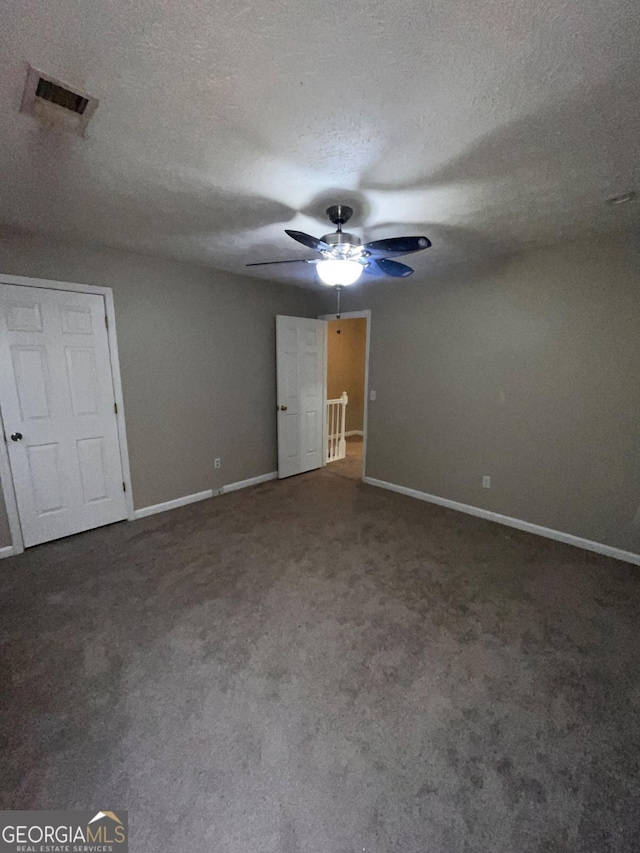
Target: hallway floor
351 465
315 665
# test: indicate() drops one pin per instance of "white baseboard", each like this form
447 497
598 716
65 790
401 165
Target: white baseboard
201 496
6 551
547 532
187 499
354 432
252 481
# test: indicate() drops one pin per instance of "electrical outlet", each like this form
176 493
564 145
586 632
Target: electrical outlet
217 462
372 396
486 482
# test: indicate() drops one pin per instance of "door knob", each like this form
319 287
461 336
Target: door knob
283 408
16 436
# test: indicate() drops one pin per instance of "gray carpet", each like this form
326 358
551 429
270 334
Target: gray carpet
317 665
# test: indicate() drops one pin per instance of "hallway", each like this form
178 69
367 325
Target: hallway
351 465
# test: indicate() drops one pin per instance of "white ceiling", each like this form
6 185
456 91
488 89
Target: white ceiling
487 125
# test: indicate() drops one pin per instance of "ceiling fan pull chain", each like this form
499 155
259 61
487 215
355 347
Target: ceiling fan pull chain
339 289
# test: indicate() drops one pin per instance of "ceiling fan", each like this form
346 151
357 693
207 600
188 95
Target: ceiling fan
344 258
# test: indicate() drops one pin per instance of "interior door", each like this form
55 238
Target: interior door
301 359
58 407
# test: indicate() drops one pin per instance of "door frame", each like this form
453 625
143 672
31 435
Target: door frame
17 542
353 315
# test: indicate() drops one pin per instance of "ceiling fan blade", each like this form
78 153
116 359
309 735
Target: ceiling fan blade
396 246
308 240
383 266
294 261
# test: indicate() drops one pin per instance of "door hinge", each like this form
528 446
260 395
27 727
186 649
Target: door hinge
115 408
106 321
124 486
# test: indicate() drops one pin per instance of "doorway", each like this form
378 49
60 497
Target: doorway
347 380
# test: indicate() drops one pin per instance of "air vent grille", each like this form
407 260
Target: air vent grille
55 103
64 98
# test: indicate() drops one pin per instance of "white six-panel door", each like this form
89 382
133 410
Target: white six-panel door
57 399
301 356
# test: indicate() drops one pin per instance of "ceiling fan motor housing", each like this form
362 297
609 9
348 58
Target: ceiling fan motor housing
342 242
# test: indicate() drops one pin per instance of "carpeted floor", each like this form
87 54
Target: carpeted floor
351 465
317 665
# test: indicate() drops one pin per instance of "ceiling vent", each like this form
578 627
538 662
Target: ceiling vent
56 104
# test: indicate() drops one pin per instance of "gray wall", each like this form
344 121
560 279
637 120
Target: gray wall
197 357
529 373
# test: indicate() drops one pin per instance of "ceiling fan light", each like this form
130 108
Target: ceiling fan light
338 272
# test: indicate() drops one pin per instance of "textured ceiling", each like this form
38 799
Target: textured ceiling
488 125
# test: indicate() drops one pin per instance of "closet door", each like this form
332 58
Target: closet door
59 413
